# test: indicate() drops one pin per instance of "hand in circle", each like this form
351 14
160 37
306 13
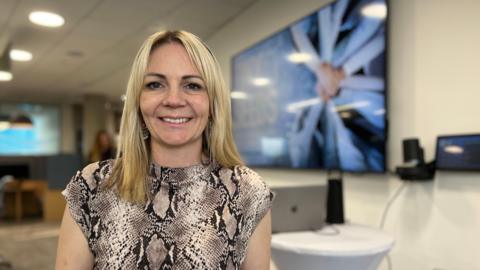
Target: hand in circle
328 81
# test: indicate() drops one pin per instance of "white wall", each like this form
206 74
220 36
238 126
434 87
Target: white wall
447 39
433 89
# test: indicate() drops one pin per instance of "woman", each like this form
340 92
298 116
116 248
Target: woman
102 147
176 196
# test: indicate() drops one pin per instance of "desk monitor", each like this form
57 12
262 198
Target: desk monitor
458 152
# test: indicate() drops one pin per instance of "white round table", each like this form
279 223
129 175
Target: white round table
339 247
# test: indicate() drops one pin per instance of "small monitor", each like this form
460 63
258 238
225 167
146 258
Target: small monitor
458 152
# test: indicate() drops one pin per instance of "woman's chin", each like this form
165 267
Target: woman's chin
175 142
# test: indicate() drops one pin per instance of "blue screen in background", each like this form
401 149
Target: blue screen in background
460 152
43 138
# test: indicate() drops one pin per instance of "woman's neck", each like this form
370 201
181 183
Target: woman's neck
176 157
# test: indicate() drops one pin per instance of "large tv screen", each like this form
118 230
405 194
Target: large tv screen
313 94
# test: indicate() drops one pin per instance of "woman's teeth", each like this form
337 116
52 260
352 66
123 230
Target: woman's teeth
175 120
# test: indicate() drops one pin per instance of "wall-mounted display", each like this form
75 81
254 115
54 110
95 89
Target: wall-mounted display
313 95
29 129
458 152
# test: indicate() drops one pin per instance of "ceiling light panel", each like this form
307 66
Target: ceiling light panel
20 55
5 76
47 19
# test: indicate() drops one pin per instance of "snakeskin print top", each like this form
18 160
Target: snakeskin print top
199 217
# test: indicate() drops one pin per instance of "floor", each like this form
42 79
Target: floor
29 244
32 244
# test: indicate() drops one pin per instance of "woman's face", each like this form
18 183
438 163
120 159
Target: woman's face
174 101
104 140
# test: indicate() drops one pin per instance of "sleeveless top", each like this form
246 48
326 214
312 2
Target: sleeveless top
199 217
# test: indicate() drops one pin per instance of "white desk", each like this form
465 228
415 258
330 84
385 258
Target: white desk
339 247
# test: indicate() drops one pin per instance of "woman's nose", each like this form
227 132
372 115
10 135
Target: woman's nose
174 98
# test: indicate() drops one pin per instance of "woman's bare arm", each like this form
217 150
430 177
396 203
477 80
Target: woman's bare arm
258 251
72 251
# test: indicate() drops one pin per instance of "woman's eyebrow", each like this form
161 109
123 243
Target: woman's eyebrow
186 77
161 76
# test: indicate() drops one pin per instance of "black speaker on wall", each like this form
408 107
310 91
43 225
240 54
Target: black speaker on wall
412 151
415 167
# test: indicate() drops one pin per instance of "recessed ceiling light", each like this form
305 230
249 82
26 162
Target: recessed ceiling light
375 10
47 19
20 55
5 76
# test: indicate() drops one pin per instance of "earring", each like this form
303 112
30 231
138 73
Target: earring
145 132
207 132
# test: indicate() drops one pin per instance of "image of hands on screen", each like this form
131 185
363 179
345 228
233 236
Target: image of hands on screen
313 94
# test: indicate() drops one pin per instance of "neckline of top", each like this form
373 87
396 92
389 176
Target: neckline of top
180 174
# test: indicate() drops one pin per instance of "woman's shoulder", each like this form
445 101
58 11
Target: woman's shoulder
248 175
242 176
254 195
96 172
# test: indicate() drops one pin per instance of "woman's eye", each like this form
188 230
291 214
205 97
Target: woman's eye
194 86
153 85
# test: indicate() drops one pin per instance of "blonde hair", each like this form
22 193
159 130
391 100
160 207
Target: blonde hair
130 171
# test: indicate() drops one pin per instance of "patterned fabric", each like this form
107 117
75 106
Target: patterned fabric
199 217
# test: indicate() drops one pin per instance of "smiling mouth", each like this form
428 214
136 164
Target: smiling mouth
171 120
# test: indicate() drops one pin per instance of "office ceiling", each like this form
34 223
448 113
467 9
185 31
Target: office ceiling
92 53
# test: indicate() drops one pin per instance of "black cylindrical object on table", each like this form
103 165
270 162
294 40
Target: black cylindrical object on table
335 201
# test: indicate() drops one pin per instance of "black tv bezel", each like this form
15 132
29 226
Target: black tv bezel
446 169
386 92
